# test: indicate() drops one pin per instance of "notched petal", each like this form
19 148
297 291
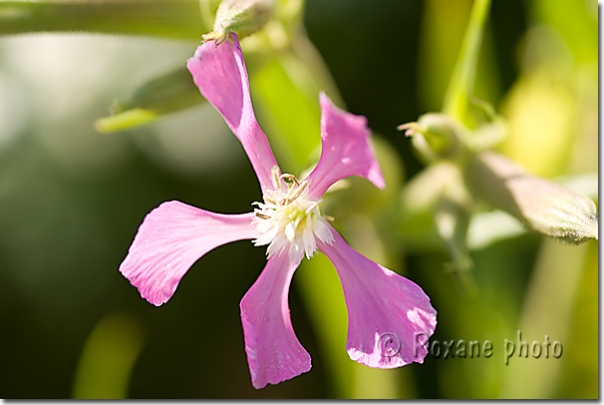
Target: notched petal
346 150
273 351
171 238
390 318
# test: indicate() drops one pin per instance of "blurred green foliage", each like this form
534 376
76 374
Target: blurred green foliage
72 198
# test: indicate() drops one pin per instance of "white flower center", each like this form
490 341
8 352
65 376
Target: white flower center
288 221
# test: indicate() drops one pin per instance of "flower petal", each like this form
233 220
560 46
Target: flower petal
220 74
274 353
346 150
389 317
171 238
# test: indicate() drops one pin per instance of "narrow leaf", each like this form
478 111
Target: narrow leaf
167 93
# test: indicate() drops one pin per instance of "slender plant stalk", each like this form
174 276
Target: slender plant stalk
174 19
462 80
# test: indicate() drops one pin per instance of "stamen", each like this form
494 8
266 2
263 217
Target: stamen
269 199
275 178
299 190
261 215
290 178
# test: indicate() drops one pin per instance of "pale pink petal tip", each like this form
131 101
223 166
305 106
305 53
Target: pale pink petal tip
221 76
273 351
390 318
346 150
171 238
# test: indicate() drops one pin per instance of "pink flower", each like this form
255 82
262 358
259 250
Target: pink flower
390 317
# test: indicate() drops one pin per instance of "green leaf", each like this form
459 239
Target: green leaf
170 92
125 120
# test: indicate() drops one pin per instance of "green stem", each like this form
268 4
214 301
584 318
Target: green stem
462 80
176 19
108 358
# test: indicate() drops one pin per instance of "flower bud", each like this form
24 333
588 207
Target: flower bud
542 205
242 17
436 136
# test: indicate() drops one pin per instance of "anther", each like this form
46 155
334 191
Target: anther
290 179
261 215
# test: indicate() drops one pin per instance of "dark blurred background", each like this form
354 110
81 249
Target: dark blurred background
71 200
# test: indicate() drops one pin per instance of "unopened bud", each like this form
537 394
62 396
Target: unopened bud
242 17
436 136
542 205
